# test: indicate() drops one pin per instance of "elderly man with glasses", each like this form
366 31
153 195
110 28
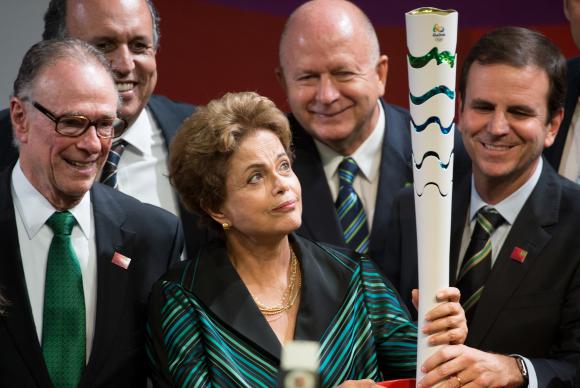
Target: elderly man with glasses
78 257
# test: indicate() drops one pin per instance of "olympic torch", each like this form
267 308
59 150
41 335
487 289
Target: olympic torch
432 60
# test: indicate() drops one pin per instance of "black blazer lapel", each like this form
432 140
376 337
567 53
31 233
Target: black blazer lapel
319 220
528 233
221 290
111 279
394 172
324 287
460 207
18 320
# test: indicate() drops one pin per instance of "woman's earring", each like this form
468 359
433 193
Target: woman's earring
226 226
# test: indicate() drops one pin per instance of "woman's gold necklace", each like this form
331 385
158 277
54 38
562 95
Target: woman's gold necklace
290 294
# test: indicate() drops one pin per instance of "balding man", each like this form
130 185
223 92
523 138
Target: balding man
78 258
127 32
353 150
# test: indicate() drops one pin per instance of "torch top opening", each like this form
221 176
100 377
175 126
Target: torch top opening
431 11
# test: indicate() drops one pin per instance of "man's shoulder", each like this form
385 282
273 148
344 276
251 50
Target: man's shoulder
157 102
570 193
168 114
573 63
302 140
395 109
8 151
4 115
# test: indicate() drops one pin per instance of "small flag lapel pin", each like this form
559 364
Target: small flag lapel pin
519 254
121 260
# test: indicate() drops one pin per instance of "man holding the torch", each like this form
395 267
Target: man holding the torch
515 254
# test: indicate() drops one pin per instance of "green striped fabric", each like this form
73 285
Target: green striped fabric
371 336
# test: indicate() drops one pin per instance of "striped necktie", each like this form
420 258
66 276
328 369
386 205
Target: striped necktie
476 264
63 322
349 208
109 174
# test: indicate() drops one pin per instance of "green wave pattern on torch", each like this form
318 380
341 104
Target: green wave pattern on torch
440 57
434 91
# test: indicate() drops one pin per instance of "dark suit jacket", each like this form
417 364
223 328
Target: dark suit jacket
8 152
148 235
319 219
169 115
554 153
532 308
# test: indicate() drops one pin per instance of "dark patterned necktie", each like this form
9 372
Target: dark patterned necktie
109 174
476 264
349 208
63 323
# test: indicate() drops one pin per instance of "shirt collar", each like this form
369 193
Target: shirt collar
367 156
139 135
35 210
509 207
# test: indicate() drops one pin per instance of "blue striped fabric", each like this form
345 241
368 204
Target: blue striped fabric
349 208
371 336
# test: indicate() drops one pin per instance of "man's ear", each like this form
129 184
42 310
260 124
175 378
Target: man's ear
280 77
566 9
382 70
19 119
553 127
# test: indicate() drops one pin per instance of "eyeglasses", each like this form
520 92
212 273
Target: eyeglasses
76 125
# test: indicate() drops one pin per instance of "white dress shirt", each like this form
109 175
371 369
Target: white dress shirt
368 159
509 208
570 163
142 171
32 210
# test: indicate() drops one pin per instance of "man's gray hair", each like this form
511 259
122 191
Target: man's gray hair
47 52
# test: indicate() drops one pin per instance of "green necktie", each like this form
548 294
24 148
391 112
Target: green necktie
63 326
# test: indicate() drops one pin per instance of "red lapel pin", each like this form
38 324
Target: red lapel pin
519 254
121 260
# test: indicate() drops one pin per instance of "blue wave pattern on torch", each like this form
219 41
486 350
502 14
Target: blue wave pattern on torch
431 120
441 89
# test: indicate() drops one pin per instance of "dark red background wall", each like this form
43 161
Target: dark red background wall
211 47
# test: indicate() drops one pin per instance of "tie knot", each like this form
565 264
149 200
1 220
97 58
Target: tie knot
347 170
118 144
489 219
61 223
